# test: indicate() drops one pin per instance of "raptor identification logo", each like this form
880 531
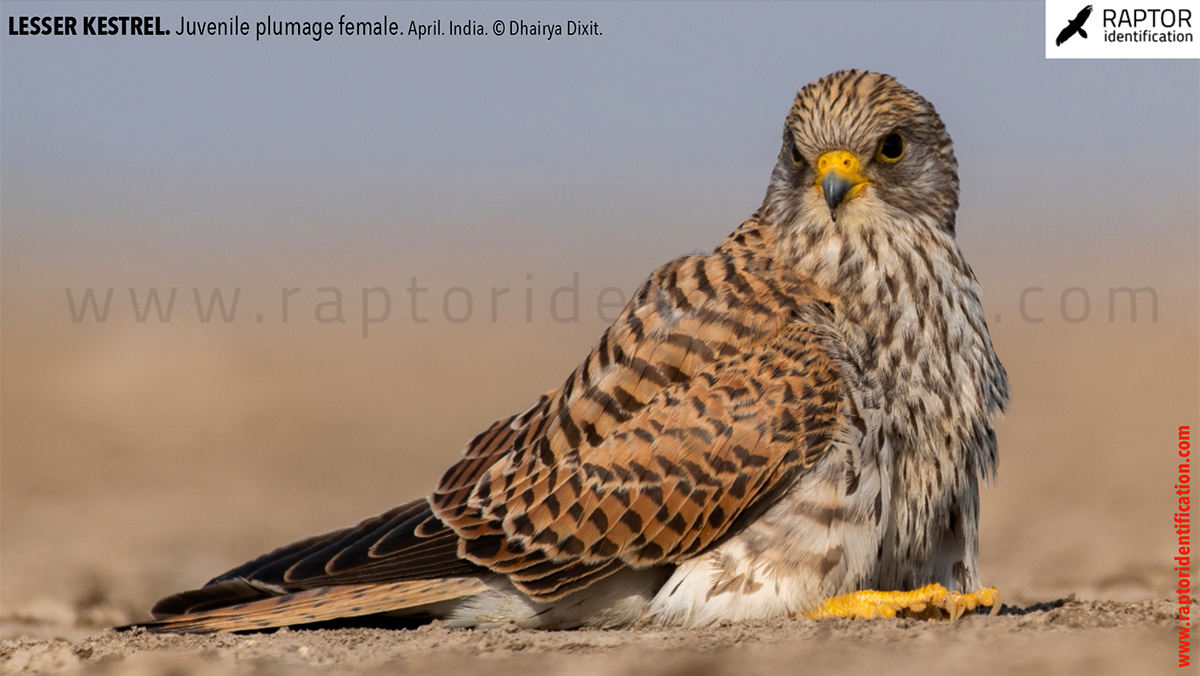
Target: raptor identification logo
1123 29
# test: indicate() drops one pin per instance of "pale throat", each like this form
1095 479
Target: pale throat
868 244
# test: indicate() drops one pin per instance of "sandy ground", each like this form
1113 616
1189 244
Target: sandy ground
139 460
1067 636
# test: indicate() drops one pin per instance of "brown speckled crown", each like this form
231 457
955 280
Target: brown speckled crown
854 110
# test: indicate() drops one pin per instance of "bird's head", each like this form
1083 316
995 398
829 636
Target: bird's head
860 148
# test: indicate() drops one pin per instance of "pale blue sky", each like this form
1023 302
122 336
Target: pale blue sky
368 151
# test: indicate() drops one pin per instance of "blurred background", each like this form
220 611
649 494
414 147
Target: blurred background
412 181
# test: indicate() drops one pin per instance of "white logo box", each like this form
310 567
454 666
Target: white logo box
1125 29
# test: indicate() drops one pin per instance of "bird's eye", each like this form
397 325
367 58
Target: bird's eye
891 148
797 158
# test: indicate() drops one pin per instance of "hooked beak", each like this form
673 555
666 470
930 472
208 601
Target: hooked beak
840 178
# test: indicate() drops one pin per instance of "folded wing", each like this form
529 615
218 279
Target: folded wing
718 385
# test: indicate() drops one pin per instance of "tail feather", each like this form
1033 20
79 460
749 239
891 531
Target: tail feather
319 605
213 596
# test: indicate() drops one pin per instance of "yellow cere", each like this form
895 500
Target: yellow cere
845 163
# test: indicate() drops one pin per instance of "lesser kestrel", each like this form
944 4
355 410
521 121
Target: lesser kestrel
772 429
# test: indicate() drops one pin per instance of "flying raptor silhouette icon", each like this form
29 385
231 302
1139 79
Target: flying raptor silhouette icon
1076 26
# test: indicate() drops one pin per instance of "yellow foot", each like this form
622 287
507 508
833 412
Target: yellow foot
932 602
